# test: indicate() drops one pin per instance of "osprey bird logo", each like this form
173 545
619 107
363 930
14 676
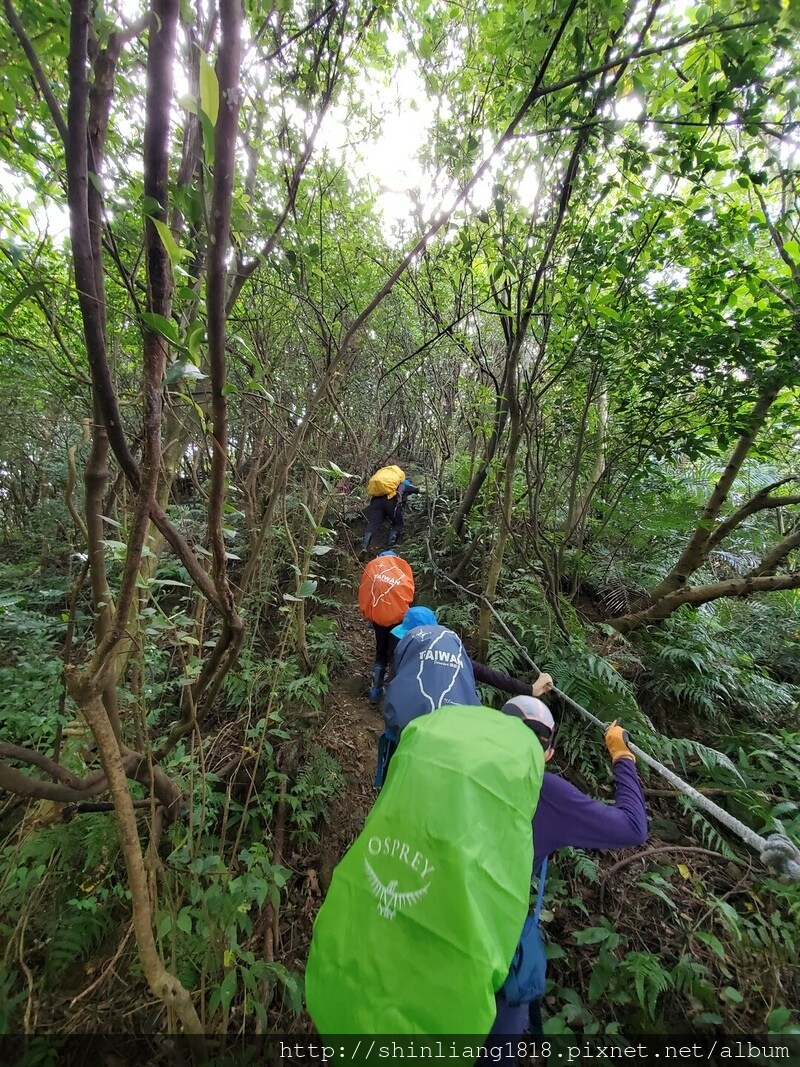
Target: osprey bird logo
389 900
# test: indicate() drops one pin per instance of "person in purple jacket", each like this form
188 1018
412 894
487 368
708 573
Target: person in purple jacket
565 816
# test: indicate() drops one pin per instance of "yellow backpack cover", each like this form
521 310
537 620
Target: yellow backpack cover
385 481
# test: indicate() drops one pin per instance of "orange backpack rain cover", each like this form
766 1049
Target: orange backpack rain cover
386 590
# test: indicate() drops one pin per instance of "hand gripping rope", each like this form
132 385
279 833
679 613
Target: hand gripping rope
776 851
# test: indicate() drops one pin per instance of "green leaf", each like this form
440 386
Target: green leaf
554 951
713 943
184 920
339 471
227 990
161 325
195 338
592 936
11 307
777 1019
601 975
173 251
182 368
209 90
657 892
321 550
117 546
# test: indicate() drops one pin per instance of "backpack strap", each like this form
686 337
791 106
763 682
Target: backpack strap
540 892
525 983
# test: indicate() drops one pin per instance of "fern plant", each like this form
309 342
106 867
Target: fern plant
649 976
319 780
695 662
62 896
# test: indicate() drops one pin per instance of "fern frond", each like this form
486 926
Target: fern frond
75 937
650 978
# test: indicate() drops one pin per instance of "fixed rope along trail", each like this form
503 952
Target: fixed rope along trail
776 850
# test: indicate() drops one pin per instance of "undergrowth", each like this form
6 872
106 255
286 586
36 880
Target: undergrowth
63 892
706 695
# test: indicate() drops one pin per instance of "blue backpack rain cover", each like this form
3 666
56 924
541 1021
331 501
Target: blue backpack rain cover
432 669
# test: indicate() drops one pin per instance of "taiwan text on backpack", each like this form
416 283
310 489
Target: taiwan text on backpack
526 978
385 481
386 590
437 884
432 670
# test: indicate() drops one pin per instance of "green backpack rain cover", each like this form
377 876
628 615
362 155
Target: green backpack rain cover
425 910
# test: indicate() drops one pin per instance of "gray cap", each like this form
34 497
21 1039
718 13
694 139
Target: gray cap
532 711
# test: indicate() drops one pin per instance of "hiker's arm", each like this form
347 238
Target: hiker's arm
566 816
498 680
504 682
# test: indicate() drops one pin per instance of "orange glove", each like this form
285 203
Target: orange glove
617 743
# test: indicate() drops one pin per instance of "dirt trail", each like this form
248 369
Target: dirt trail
349 731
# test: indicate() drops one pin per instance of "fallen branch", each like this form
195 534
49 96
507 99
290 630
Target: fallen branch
653 852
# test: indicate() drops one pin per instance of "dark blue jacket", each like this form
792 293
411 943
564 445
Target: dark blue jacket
432 669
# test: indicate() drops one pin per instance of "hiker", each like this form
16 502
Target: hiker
388 488
384 594
431 668
422 616
565 816
424 911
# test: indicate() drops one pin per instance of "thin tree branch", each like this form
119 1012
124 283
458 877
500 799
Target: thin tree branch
704 594
38 72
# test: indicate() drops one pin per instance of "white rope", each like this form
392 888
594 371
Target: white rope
776 851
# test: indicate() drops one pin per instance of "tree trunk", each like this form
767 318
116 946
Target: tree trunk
162 983
506 516
696 551
580 501
704 594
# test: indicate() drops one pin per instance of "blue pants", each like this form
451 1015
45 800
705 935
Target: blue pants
511 1023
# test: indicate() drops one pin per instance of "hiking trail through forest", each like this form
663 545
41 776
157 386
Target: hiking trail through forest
349 730
616 890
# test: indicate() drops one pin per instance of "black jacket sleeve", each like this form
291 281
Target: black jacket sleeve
501 681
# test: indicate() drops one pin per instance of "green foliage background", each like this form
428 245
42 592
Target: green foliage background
564 338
